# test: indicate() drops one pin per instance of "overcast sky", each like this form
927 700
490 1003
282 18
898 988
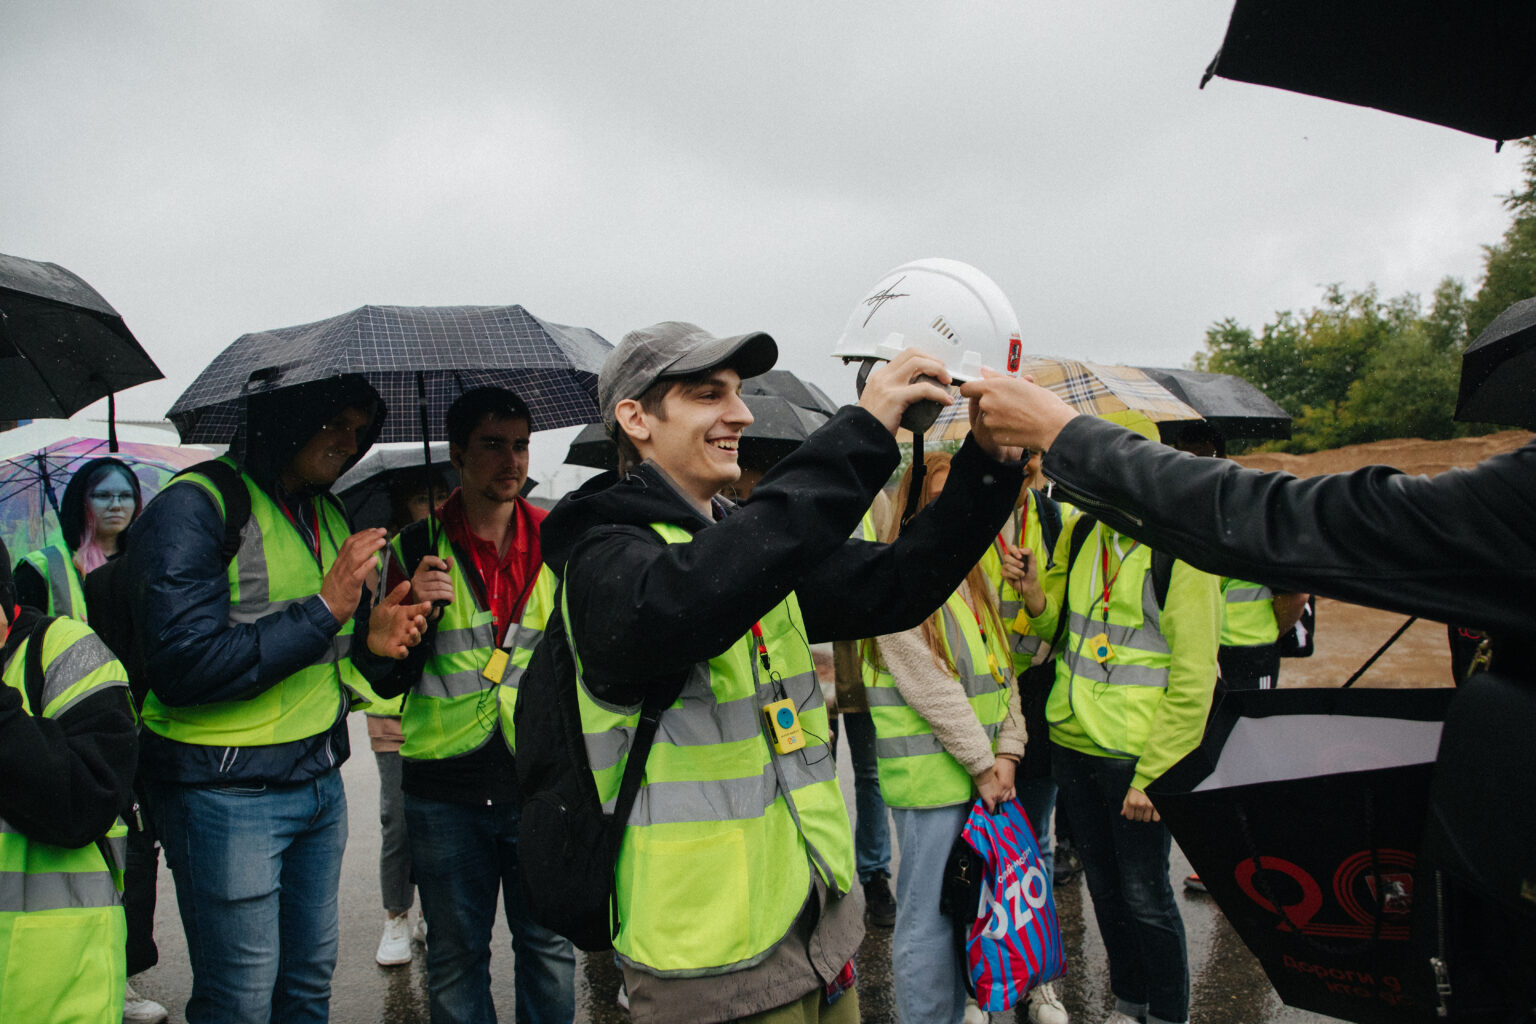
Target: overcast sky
214 168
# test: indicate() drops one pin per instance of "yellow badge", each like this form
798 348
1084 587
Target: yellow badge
997 672
497 665
1099 649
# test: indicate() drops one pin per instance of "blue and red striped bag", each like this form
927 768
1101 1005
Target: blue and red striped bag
1000 899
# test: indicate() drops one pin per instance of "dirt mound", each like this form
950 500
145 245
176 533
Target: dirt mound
1410 454
1348 634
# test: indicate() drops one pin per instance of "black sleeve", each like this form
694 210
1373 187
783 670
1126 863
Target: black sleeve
1458 547
866 589
31 588
64 781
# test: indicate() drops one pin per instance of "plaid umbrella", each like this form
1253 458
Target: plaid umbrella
1093 388
31 483
402 350
62 346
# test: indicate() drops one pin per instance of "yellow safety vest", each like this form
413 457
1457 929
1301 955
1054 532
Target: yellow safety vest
274 568
1010 603
62 930
717 857
915 769
54 564
1248 614
455 707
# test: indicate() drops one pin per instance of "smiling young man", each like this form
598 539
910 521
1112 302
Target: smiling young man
245 722
737 862
459 778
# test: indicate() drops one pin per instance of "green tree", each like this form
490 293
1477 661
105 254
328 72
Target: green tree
1509 268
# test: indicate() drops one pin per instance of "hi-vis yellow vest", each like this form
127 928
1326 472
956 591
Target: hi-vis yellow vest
274 568
62 931
1248 614
915 769
717 858
456 706
1022 530
65 594
1113 699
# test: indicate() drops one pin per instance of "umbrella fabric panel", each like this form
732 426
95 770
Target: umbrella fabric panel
551 366
1234 407
62 346
1466 66
1498 371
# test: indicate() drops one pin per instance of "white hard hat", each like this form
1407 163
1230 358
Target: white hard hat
947 308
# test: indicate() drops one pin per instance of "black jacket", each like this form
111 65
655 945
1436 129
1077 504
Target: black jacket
643 610
1459 547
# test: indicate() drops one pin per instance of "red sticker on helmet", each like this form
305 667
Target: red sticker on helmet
1015 353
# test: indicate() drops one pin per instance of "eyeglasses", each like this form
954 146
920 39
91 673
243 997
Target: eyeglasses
113 497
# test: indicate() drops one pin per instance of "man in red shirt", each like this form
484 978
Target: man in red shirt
459 780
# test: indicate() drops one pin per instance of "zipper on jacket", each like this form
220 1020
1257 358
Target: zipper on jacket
1438 963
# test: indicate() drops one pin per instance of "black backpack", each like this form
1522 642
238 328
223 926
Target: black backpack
566 846
110 596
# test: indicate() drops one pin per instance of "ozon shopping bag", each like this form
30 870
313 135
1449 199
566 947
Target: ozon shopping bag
1303 812
999 897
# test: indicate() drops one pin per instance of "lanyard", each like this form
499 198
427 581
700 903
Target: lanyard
762 647
315 514
992 665
1109 581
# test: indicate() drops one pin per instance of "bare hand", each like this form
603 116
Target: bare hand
894 386
342 588
995 785
431 582
1138 807
394 627
1016 411
1022 571
981 429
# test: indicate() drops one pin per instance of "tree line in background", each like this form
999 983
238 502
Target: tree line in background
1360 368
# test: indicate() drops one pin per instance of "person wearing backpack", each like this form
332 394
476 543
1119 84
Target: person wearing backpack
949 728
245 720
736 862
459 774
66 771
1135 639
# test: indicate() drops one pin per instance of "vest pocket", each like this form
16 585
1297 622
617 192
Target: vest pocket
688 905
58 966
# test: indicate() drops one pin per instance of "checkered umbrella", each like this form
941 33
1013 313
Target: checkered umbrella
1093 388
446 350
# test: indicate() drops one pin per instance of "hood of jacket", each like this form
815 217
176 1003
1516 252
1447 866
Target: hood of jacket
645 496
72 505
279 423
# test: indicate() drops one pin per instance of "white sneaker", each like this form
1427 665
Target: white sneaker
138 1010
974 1014
1045 1005
420 934
395 945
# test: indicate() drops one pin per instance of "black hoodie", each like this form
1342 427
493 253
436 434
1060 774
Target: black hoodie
644 610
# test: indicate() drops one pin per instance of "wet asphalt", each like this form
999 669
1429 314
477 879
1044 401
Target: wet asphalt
1227 985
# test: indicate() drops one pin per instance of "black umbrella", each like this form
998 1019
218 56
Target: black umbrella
402 350
1466 66
1498 371
62 346
1231 405
786 385
366 489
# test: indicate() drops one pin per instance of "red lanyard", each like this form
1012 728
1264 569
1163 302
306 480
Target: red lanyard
315 513
1109 581
762 647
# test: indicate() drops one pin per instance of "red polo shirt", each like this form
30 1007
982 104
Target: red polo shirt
508 578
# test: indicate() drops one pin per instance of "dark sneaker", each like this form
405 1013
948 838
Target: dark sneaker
1068 863
879 906
1193 884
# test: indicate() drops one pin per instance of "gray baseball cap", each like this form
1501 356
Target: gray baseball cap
675 349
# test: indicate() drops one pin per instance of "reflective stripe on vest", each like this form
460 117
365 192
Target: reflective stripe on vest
915 769
1248 614
274 569
61 915
717 857
54 565
1128 685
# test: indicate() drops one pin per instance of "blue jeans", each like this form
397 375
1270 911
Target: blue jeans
1126 864
871 832
1038 798
461 854
926 971
257 869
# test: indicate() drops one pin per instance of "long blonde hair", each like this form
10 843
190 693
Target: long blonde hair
983 602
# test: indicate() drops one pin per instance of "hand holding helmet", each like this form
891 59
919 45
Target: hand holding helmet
892 388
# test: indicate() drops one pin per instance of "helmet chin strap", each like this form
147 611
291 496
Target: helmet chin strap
918 417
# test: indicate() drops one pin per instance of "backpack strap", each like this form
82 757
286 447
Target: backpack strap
1162 572
237 501
35 682
1049 512
1081 528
